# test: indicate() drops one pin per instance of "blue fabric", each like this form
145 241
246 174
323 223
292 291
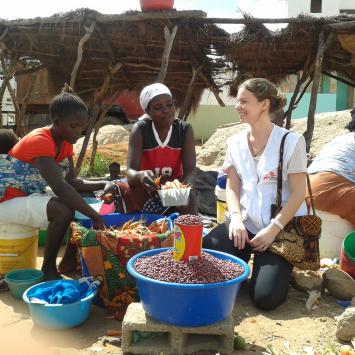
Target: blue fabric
63 292
337 156
24 176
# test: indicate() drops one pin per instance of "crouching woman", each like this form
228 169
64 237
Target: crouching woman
42 159
160 145
252 159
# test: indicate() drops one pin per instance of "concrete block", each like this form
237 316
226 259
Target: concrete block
217 337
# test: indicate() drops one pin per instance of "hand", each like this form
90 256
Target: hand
109 193
148 180
264 238
237 231
100 223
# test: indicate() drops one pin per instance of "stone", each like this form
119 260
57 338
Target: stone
339 284
345 328
306 282
218 337
109 134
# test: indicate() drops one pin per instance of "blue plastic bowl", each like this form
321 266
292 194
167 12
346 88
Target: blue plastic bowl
188 305
59 316
21 280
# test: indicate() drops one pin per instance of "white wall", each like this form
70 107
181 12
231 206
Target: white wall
329 7
347 4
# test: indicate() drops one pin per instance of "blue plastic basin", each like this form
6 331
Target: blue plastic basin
188 305
59 316
21 280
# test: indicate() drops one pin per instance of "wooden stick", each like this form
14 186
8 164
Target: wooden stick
291 107
212 88
185 105
322 46
87 35
339 79
20 130
169 38
97 126
95 112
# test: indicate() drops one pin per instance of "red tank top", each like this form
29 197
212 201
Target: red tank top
163 160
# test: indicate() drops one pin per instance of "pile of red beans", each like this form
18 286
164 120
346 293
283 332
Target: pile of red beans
208 269
189 219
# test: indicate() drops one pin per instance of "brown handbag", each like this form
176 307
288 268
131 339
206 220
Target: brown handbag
298 242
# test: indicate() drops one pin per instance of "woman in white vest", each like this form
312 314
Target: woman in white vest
253 156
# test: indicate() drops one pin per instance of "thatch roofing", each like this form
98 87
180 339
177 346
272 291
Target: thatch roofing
137 40
134 39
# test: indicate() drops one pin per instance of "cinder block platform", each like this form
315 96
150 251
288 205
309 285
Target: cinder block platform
217 337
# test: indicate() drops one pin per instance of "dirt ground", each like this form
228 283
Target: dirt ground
291 323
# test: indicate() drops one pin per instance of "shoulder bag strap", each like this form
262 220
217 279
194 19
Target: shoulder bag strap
279 172
279 178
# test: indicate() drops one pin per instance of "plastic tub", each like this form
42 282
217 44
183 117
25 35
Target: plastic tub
347 264
18 247
188 305
349 246
334 230
21 280
157 4
221 204
59 316
95 203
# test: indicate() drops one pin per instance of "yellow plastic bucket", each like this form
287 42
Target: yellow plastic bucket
221 204
18 247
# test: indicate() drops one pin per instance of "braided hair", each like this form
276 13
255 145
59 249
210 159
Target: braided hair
67 103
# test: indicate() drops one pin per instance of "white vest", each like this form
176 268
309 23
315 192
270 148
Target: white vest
256 198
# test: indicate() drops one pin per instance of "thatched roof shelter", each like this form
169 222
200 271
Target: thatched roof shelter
134 39
183 49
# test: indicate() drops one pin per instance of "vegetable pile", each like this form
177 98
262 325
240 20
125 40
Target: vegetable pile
139 228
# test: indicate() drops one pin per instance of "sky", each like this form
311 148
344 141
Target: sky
17 9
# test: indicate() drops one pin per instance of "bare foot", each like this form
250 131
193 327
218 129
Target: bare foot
69 260
68 266
51 275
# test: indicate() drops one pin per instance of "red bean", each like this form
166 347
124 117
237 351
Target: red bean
188 219
208 269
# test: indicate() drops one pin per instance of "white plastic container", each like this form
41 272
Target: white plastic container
18 247
334 230
221 204
174 197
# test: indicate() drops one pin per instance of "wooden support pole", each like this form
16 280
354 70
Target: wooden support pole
305 74
97 126
20 130
339 79
94 113
169 38
89 31
185 105
8 72
212 88
322 46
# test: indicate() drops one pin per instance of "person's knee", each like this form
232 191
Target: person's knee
56 209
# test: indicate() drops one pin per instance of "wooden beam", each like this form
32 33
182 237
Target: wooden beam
169 38
322 46
244 21
339 79
341 26
89 31
101 18
185 105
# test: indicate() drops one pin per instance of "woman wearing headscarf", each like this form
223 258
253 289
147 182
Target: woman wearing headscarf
160 145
